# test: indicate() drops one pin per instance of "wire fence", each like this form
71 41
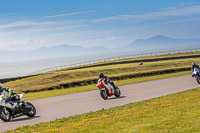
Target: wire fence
114 59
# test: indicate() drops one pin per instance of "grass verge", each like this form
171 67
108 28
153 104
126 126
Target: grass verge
172 113
51 93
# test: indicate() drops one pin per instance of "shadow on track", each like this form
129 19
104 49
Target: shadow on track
24 119
116 97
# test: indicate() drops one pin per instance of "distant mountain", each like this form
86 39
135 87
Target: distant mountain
67 50
50 52
157 43
161 43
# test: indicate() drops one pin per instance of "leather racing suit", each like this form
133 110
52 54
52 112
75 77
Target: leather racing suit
8 91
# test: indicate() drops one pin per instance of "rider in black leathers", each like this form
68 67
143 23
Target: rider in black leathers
102 76
194 65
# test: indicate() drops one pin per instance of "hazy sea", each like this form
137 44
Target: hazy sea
24 68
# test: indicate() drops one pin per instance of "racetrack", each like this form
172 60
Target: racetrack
63 106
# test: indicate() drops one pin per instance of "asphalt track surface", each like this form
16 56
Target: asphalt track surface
63 106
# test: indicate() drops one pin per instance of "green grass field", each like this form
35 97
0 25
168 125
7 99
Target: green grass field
56 78
64 91
173 113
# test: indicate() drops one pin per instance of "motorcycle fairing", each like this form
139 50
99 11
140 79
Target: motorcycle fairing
109 88
196 71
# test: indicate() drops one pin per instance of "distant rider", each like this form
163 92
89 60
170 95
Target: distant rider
194 65
9 92
102 76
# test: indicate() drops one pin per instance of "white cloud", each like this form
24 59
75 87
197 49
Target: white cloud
189 3
9 14
67 14
107 38
15 44
31 38
110 37
30 27
118 17
191 10
170 11
25 25
195 19
87 41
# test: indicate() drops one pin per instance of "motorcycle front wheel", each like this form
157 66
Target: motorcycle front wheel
32 112
117 92
197 77
104 94
5 115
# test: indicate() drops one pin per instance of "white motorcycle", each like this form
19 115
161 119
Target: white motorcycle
12 109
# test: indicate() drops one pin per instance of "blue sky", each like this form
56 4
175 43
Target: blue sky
31 24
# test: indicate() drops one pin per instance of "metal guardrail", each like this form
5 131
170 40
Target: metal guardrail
113 59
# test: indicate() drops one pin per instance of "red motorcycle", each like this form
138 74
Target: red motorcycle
107 90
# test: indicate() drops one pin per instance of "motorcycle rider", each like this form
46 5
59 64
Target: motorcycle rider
194 65
102 76
12 96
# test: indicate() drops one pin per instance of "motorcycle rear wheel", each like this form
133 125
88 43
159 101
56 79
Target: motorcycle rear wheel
5 116
117 92
32 112
104 94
